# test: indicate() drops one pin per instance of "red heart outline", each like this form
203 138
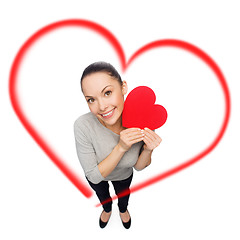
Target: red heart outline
85 190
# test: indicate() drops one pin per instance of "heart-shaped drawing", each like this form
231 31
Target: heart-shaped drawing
141 111
86 191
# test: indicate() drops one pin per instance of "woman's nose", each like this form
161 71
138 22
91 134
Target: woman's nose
102 106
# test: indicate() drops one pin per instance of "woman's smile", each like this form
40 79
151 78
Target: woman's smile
109 114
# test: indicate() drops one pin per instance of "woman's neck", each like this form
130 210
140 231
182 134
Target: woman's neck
117 127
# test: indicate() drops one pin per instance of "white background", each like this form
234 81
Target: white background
201 202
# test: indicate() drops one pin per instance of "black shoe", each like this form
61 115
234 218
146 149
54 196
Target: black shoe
101 223
127 225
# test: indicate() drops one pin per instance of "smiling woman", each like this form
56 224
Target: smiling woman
106 104
106 150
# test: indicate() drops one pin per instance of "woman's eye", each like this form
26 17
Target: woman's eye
90 100
108 93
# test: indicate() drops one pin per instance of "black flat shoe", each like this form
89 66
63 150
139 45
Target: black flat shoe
127 225
101 223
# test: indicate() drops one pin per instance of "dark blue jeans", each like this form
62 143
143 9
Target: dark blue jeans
102 192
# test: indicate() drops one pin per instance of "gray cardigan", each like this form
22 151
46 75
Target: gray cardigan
94 142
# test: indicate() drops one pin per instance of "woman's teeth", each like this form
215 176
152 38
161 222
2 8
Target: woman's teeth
107 114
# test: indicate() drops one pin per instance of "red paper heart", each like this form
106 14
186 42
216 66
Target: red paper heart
124 64
140 111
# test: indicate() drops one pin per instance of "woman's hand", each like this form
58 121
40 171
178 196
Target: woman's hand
127 138
130 136
151 139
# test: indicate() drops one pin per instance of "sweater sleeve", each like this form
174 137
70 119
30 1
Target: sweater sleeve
87 156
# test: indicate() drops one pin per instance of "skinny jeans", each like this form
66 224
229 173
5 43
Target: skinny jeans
102 191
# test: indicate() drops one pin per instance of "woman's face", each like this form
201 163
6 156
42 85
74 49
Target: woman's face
105 96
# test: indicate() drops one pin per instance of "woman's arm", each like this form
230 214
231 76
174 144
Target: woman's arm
144 160
127 138
151 140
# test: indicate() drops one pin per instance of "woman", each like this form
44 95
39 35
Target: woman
106 150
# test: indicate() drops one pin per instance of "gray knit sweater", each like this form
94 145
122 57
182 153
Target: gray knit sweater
94 143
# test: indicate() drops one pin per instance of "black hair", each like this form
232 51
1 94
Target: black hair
101 67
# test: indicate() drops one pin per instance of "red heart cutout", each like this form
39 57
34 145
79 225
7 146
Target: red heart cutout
124 64
140 111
